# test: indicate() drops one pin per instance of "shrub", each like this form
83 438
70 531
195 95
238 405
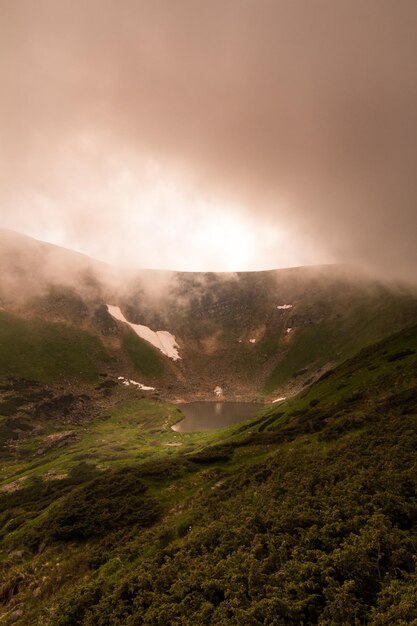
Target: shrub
110 502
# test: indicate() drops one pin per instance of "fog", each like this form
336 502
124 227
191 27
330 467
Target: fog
230 135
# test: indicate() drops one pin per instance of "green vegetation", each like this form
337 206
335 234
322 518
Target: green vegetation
145 359
311 536
304 515
229 327
63 302
131 429
93 510
354 319
46 351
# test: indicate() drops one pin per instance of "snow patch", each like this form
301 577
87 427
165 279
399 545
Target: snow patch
162 340
128 381
279 400
284 307
140 386
218 391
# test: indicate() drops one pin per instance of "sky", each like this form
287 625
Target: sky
222 135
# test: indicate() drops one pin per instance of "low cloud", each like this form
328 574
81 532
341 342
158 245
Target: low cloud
124 125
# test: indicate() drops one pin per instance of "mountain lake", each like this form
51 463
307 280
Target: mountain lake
206 415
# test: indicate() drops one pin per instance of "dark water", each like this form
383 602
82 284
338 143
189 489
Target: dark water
211 415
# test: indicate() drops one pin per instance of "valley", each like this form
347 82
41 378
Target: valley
112 514
208 313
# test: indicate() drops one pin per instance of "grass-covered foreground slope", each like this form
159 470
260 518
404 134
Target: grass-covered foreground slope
305 515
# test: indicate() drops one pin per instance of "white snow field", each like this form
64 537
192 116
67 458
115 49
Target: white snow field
160 339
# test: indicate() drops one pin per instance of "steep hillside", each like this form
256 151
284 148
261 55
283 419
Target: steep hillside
306 514
254 334
270 333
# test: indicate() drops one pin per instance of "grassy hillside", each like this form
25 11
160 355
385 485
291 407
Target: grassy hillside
355 322
145 359
231 332
53 351
305 515
46 351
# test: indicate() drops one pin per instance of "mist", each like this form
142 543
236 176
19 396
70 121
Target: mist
231 135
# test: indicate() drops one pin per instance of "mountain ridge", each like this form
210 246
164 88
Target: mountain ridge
232 330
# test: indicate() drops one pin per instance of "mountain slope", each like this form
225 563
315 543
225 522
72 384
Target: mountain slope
254 334
47 351
305 515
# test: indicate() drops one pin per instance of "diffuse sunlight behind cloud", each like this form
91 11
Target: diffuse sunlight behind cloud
293 119
150 218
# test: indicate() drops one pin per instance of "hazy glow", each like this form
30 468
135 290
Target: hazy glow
227 239
148 217
213 135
